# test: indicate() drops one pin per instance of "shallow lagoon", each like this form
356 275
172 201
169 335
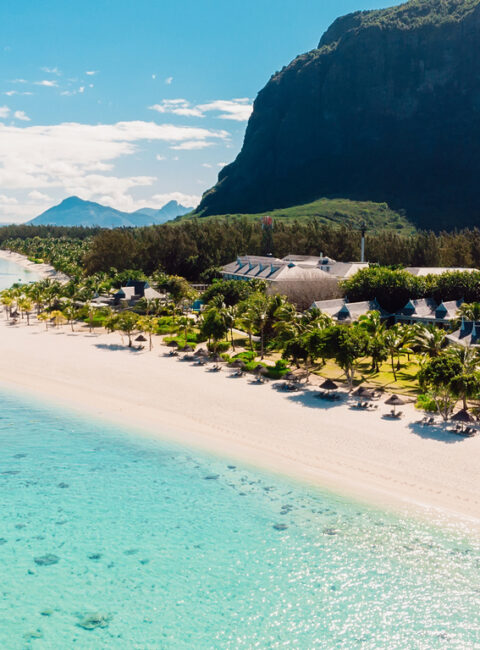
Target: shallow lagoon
110 540
10 272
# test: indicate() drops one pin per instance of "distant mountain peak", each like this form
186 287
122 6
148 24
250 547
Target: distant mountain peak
74 211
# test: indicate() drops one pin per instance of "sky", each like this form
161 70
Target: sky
135 103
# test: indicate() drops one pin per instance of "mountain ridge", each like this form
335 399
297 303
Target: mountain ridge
74 211
385 110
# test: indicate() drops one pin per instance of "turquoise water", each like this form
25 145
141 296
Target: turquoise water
152 546
11 272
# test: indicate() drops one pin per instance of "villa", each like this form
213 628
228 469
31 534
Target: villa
346 312
134 291
467 336
427 311
289 268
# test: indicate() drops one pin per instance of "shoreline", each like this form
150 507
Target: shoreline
395 465
43 270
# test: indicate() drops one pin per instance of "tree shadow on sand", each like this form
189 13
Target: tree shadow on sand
116 347
435 432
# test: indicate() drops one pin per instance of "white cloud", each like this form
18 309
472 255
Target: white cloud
73 158
90 73
235 109
154 76
49 83
168 80
188 200
54 70
38 196
7 200
192 145
21 115
4 112
19 81
207 165
10 93
159 157
81 89
221 164
231 109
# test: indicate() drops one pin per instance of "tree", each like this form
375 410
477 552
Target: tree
429 339
346 344
45 317
25 305
127 323
148 324
184 325
213 326
69 311
438 376
470 311
397 342
229 315
372 324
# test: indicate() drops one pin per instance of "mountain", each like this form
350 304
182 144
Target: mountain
170 211
386 109
77 212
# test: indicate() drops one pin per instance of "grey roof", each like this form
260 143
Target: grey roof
427 309
434 270
468 334
341 310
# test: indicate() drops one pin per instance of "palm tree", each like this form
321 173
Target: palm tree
25 305
127 323
229 315
69 312
395 345
470 311
184 325
45 317
429 339
7 301
372 324
148 324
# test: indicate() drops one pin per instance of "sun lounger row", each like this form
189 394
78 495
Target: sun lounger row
331 397
365 405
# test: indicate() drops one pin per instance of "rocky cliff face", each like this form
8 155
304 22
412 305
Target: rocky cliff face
386 109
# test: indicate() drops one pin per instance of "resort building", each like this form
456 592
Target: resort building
467 336
427 311
347 312
420 271
289 268
134 291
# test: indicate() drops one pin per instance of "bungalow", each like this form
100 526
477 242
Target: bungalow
134 291
346 312
467 336
427 311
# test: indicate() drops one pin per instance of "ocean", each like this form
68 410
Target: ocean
112 540
10 272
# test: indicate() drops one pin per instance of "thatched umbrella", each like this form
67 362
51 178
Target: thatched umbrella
187 348
172 344
260 371
215 358
238 363
140 337
328 384
395 400
463 416
290 376
201 352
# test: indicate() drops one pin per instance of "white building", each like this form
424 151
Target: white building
289 268
421 271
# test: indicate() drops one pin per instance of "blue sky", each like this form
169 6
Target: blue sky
132 103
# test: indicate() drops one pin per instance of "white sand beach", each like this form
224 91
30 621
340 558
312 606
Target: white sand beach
351 452
42 270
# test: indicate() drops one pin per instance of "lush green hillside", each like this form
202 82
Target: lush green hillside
376 216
